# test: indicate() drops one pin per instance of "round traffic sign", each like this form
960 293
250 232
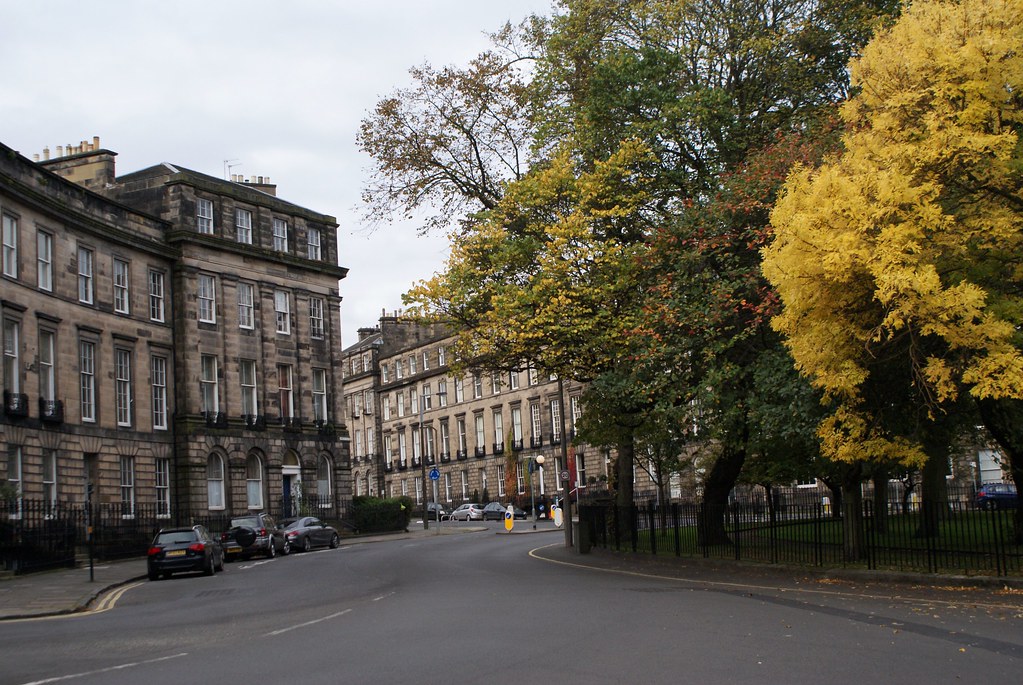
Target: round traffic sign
434 474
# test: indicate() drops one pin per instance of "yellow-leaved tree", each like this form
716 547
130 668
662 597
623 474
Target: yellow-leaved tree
898 262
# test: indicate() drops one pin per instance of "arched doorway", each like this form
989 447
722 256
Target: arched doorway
291 474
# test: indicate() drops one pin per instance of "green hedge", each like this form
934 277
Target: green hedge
381 514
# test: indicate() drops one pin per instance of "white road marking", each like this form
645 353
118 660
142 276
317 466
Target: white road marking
119 667
307 623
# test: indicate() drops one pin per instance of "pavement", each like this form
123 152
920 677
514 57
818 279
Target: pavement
72 590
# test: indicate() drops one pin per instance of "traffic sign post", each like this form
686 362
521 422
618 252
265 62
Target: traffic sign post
509 518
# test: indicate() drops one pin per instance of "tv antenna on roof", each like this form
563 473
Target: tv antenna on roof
228 166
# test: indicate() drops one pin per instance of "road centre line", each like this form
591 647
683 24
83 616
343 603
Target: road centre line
773 588
307 623
108 669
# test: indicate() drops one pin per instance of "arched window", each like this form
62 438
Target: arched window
358 484
254 481
215 481
323 489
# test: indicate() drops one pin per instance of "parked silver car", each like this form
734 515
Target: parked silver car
467 512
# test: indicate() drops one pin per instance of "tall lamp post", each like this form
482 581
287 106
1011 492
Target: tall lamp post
538 461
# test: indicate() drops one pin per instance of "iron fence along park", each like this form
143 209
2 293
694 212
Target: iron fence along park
955 536
37 535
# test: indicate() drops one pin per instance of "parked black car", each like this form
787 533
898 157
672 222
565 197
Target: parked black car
494 511
997 496
305 532
437 512
184 549
254 534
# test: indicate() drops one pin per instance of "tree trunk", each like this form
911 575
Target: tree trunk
624 492
937 442
1004 420
853 542
716 489
880 513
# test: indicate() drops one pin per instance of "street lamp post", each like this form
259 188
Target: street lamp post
538 460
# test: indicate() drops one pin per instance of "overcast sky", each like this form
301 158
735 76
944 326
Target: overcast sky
278 88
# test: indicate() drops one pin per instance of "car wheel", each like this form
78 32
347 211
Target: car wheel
271 550
220 566
306 545
209 570
153 575
166 575
286 550
334 541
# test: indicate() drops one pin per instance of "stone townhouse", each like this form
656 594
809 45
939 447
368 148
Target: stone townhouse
223 297
89 349
480 431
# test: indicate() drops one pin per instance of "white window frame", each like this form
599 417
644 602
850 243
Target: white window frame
162 475
316 329
44 260
10 245
204 216
215 490
500 480
324 479
158 379
282 311
12 356
86 291
243 225
555 405
320 395
49 478
313 250
280 231
254 482
465 483
442 392
285 391
122 384
127 487
498 417
157 296
209 391
247 382
14 477
121 281
47 367
481 433
246 306
87 380
207 294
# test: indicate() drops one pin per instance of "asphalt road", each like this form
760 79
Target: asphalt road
479 608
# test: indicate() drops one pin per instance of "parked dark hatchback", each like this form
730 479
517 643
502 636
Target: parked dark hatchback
184 549
495 512
254 534
997 496
305 532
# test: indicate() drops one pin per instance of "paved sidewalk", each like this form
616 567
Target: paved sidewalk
66 591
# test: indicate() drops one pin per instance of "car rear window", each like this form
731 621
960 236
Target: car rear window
175 537
249 521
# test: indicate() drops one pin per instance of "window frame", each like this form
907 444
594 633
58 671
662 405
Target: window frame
209 391
314 250
121 281
204 220
206 294
246 309
320 395
44 260
243 225
316 329
215 481
123 386
158 365
157 295
10 245
280 238
282 315
87 380
86 275
249 394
